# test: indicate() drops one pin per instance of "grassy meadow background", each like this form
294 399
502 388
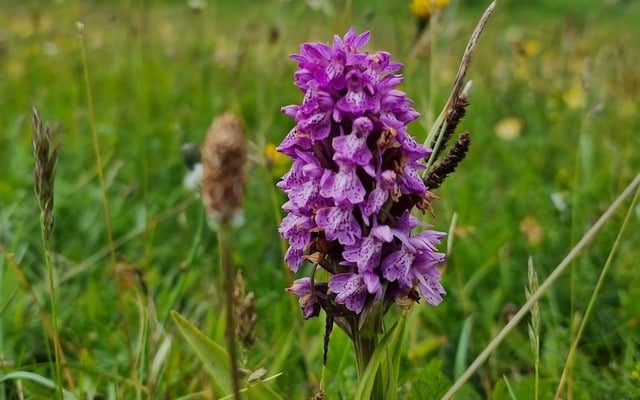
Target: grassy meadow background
554 123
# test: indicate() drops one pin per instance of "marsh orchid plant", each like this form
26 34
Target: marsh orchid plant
352 186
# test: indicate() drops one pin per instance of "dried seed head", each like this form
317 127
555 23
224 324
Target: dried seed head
454 115
46 158
245 305
458 151
223 157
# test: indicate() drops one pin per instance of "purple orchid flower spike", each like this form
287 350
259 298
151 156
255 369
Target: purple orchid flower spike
353 183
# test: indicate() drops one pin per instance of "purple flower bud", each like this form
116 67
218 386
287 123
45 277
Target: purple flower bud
301 288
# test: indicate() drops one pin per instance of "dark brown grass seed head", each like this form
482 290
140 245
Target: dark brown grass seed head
223 159
46 158
453 118
439 172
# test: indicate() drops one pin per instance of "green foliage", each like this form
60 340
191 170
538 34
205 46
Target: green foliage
383 365
40 383
213 356
553 120
216 361
522 389
429 382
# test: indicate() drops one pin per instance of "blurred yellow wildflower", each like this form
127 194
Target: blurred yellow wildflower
423 9
275 162
532 230
509 128
635 374
528 48
527 52
575 97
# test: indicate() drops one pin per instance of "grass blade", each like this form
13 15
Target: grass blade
35 378
214 358
588 236
463 346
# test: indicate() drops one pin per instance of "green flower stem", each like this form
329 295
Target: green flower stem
229 279
365 341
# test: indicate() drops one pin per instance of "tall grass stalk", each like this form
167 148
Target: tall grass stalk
45 152
438 127
224 156
575 251
534 327
103 188
579 175
57 349
594 295
228 269
95 142
140 362
2 308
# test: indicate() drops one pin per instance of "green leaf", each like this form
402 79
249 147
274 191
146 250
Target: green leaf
388 343
41 380
430 383
212 355
216 361
463 346
393 360
283 346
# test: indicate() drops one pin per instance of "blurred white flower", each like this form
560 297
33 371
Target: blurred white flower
193 178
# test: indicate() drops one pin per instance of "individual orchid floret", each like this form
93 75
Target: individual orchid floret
301 288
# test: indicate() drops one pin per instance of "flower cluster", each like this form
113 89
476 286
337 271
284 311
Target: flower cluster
353 182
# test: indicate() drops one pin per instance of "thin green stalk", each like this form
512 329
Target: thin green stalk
436 147
574 275
96 144
594 295
534 328
46 157
433 54
57 350
588 236
3 395
458 84
229 279
582 173
101 180
140 361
